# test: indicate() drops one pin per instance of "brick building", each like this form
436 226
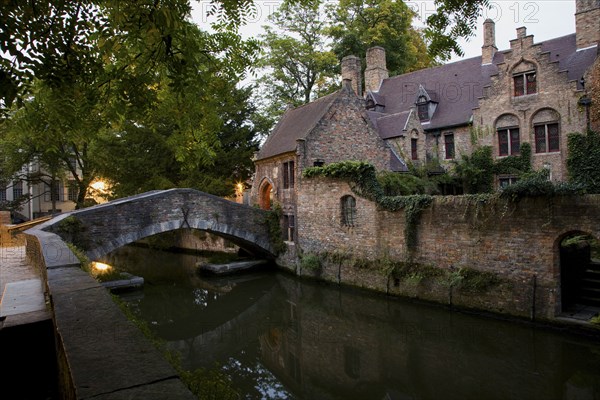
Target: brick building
530 93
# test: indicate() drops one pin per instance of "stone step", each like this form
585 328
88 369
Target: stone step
593 267
23 302
591 283
588 301
592 272
589 290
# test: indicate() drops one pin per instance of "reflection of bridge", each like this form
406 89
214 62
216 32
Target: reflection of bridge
108 226
228 325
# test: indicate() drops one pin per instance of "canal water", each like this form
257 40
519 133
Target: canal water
279 337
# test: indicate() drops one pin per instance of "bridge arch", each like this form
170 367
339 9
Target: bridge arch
109 226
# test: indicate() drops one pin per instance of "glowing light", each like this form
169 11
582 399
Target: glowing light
239 189
100 266
98 185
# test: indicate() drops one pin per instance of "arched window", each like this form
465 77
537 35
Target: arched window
509 139
546 130
348 206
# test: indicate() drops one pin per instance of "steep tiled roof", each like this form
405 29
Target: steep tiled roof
295 124
457 86
390 126
575 62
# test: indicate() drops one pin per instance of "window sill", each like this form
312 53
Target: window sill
525 96
508 155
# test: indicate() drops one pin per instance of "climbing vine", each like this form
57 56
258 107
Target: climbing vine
517 164
583 160
363 181
273 221
537 184
476 172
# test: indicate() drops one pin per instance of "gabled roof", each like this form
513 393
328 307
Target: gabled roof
458 86
575 62
455 87
390 126
376 97
295 124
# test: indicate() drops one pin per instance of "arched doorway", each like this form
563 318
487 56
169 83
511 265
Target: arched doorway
265 199
579 270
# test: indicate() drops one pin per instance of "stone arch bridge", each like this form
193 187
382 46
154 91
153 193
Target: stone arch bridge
106 227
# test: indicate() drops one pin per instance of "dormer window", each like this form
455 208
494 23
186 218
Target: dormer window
423 108
370 104
525 83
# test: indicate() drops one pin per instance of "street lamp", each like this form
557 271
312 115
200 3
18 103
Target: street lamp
586 102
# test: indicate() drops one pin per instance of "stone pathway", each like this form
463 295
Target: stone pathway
22 296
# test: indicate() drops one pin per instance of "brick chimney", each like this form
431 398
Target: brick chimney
489 42
587 23
351 72
376 70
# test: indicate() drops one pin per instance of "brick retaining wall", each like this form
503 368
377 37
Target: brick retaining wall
519 242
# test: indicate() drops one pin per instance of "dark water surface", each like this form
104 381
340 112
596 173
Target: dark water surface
280 337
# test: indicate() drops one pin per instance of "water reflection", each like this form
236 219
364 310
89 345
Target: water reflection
280 337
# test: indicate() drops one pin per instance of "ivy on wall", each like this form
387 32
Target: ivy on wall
362 179
479 169
273 221
583 160
476 172
515 165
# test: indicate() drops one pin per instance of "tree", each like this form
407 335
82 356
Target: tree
300 68
55 129
55 40
237 142
202 138
360 24
452 20
153 87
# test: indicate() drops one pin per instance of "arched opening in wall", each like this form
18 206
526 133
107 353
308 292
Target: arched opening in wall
579 271
266 196
348 210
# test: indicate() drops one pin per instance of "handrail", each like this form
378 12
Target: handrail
28 224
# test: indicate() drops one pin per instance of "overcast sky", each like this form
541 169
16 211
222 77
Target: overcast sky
544 19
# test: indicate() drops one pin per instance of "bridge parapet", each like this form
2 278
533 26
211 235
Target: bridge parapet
106 227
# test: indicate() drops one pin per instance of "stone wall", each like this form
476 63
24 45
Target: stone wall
344 133
270 172
100 353
190 240
5 218
516 241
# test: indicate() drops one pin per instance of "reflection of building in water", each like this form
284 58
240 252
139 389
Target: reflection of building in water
344 345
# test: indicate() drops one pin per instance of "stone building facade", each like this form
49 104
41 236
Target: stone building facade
530 93
331 129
